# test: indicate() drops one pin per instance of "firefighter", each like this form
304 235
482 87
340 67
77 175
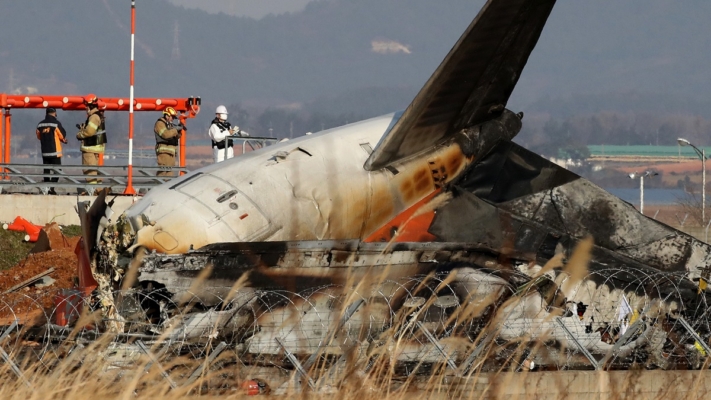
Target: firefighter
219 130
92 135
167 136
51 135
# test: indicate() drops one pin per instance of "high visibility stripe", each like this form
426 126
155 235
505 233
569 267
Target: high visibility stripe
162 131
93 149
164 148
58 141
93 125
55 154
47 124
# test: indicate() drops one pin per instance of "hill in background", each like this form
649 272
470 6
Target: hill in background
338 61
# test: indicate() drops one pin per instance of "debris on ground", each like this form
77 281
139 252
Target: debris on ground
30 301
29 281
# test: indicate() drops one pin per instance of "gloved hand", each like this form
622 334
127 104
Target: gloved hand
80 126
79 136
181 127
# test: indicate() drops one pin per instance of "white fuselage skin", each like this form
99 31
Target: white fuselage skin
310 188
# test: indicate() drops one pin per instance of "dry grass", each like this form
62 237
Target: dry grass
87 376
88 373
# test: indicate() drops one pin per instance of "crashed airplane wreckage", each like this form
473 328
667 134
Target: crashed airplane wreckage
445 229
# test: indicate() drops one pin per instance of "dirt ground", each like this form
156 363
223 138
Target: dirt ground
671 172
32 301
667 168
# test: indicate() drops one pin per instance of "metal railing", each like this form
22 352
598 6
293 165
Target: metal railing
27 178
254 142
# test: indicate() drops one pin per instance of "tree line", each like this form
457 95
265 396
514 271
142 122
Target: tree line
568 137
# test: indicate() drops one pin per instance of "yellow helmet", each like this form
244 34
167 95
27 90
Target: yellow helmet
91 100
170 111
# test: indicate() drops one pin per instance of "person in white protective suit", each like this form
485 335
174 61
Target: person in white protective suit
219 130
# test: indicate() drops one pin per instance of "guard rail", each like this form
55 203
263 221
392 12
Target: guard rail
29 178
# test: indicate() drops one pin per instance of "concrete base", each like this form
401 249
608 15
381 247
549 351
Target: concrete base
41 210
575 385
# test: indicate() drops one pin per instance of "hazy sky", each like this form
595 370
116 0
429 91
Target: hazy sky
247 8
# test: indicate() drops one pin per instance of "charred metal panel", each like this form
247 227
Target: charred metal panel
90 219
269 262
473 83
513 181
466 218
509 171
580 209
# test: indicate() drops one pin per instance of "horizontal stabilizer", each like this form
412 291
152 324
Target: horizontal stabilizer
473 83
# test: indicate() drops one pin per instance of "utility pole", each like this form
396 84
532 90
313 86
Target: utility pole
641 186
702 154
129 183
641 194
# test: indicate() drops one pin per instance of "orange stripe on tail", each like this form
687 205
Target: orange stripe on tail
406 228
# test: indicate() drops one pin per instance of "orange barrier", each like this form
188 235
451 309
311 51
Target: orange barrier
187 107
190 106
68 305
87 283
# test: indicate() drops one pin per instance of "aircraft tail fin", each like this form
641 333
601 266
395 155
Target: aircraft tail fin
472 84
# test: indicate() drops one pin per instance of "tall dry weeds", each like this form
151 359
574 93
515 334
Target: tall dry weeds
80 370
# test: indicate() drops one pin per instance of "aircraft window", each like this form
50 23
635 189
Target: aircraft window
226 196
185 181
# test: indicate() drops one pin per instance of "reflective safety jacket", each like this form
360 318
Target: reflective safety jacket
93 134
51 134
166 137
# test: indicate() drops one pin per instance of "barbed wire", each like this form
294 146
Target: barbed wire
480 322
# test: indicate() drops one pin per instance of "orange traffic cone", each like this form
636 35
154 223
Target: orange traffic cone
33 232
16 225
20 224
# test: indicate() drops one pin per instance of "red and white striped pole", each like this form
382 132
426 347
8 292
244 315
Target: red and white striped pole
129 184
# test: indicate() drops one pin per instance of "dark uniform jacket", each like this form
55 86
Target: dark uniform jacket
51 134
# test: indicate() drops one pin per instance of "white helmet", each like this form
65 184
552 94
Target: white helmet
221 110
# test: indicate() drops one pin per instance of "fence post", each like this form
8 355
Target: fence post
154 360
437 345
580 347
8 132
295 362
193 377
